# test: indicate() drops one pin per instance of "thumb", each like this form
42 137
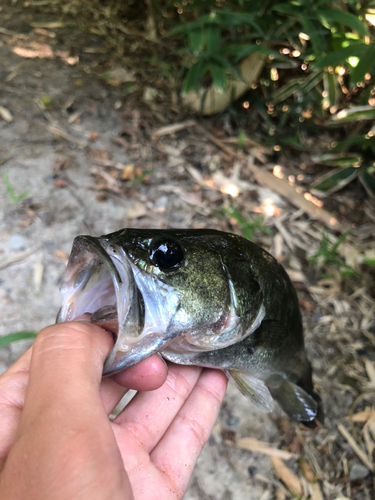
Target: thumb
65 443
66 365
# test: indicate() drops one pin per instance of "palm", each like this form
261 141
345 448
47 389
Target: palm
161 433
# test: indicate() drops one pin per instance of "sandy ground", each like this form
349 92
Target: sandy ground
63 129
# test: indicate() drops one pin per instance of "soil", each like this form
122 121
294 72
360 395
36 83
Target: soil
80 157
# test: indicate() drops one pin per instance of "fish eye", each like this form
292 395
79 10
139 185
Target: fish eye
166 253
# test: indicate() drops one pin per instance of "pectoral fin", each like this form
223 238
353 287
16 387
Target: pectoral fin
294 400
253 388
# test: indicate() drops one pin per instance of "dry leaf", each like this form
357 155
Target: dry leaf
5 114
38 275
59 183
307 471
359 452
361 416
315 491
370 370
60 254
128 172
253 444
137 210
117 76
290 480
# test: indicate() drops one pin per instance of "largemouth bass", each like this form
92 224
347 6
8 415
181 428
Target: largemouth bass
197 297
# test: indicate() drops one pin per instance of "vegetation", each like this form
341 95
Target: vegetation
15 198
15 337
319 71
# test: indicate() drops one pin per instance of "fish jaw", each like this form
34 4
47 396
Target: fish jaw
160 303
101 280
91 280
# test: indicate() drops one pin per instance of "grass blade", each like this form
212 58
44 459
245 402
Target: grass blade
15 337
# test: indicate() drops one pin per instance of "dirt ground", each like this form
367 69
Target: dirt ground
91 157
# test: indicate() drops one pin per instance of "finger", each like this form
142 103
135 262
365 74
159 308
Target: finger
148 375
177 452
70 357
63 389
13 384
157 408
64 424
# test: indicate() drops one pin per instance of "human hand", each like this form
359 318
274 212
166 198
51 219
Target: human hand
56 441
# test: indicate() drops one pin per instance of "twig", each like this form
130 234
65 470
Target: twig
5 159
290 480
17 258
360 453
55 129
171 129
253 444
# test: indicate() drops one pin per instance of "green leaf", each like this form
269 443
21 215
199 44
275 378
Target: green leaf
300 85
338 160
15 337
196 40
354 114
213 39
194 76
221 61
288 8
361 140
241 51
286 90
315 35
365 65
12 195
310 82
333 16
219 75
334 181
185 28
331 87
340 56
367 178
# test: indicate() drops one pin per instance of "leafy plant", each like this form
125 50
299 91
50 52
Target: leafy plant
247 224
328 254
320 71
12 195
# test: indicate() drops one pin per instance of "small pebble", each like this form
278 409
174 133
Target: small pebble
18 242
251 470
358 471
232 421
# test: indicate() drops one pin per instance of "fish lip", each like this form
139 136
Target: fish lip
87 256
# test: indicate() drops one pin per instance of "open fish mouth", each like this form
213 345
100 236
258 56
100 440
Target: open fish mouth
99 280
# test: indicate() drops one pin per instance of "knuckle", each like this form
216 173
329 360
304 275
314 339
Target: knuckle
62 336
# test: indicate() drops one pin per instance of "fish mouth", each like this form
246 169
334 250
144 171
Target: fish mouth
99 280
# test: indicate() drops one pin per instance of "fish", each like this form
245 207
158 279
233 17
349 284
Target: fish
196 297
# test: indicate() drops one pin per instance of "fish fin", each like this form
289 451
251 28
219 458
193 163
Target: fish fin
271 334
295 401
306 382
253 388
